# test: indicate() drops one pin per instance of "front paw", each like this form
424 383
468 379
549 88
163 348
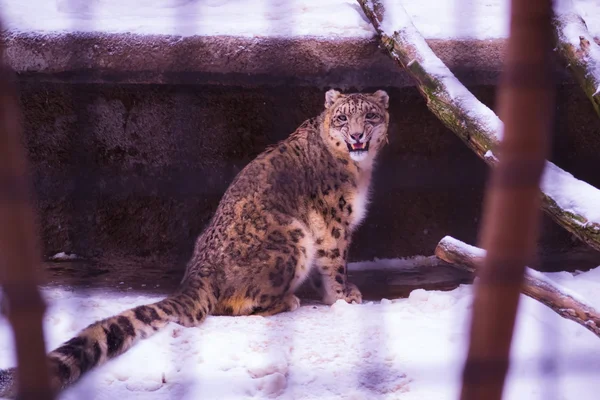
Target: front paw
349 294
352 294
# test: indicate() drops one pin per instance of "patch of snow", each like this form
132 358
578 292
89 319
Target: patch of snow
463 248
62 256
575 33
394 263
571 194
490 155
464 19
246 18
410 348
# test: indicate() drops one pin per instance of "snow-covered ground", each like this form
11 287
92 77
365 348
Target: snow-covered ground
401 349
394 349
482 19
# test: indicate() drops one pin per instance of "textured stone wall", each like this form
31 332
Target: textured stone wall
138 169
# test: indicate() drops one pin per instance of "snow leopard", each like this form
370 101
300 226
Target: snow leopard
286 218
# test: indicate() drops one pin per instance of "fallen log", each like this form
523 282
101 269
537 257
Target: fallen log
570 202
577 47
561 300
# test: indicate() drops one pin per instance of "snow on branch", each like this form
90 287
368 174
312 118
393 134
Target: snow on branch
537 286
578 48
572 203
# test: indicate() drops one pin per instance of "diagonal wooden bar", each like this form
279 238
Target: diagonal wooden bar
511 216
19 250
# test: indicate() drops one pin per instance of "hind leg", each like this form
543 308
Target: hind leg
263 281
279 282
292 250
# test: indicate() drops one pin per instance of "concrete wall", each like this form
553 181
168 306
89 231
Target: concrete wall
138 169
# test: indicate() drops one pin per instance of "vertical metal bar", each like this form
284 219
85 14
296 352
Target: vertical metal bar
19 249
512 205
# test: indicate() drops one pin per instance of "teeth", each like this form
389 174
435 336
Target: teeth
358 146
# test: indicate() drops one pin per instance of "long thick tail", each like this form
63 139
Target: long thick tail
108 338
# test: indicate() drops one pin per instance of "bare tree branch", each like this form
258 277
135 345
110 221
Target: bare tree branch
566 304
578 48
572 203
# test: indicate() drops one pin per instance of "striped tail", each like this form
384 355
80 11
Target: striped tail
106 339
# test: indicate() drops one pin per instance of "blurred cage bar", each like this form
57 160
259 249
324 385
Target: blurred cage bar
511 215
509 233
19 247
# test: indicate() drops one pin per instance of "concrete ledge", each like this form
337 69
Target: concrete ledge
238 61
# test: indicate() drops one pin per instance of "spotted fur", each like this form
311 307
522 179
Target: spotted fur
287 216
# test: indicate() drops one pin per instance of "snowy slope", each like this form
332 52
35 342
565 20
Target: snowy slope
402 349
440 19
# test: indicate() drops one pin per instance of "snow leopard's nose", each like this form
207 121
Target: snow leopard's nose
358 136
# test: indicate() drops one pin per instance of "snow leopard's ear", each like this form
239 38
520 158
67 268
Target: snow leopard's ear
330 97
382 97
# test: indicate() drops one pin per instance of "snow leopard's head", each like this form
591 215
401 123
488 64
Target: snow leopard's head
356 123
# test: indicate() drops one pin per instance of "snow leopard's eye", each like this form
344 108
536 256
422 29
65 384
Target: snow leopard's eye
371 115
342 118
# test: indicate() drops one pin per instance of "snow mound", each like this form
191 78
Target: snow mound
396 349
448 19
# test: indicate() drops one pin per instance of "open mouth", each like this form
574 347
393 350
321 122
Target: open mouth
352 147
